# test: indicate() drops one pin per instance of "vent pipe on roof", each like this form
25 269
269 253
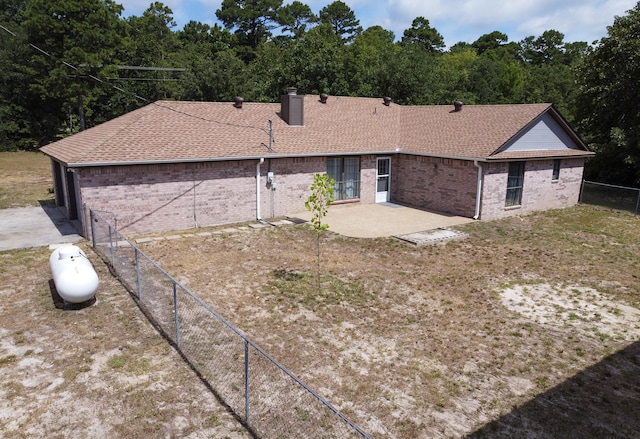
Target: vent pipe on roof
238 100
457 105
292 91
387 101
323 98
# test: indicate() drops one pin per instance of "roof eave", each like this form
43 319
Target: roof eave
320 154
560 155
225 159
504 146
443 156
562 121
551 109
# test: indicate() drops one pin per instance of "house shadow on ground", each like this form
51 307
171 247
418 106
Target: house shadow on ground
64 225
602 401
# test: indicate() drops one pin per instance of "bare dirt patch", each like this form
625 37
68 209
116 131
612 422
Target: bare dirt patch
524 329
97 372
443 340
580 308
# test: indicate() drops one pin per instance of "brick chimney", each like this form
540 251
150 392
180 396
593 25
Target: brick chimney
292 108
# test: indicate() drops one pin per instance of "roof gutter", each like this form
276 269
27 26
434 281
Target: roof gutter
258 157
583 154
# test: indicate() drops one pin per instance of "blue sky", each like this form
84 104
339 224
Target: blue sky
456 20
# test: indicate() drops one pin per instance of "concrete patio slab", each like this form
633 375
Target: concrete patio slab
26 227
383 220
432 236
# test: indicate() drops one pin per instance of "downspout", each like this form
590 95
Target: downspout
258 216
478 189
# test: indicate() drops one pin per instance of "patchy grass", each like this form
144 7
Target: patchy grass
25 179
440 340
101 371
527 327
302 289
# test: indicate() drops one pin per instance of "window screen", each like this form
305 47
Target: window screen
346 172
514 184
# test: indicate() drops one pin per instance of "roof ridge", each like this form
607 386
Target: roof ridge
547 108
124 127
189 130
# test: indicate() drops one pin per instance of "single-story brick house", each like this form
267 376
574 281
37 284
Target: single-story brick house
179 165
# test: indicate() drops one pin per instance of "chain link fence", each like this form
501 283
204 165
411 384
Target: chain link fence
608 195
269 399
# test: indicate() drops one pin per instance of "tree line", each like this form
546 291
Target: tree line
71 64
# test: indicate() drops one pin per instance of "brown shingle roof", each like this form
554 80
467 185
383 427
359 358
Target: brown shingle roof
194 131
476 131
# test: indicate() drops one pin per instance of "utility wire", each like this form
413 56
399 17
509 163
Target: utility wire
120 89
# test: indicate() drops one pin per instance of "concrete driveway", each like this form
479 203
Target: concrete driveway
383 220
26 227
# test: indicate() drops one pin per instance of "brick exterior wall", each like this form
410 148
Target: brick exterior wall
153 198
539 192
441 185
293 178
164 197
368 178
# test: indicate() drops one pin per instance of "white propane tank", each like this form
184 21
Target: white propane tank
73 275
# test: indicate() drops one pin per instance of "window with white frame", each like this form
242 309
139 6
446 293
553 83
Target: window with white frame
346 173
555 176
515 181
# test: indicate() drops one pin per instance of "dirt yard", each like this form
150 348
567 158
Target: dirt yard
98 372
527 328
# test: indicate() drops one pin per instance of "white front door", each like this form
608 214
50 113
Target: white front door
383 179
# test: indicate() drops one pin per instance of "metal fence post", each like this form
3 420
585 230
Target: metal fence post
93 229
157 314
638 203
246 381
111 251
175 312
138 280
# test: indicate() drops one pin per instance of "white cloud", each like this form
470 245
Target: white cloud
581 21
456 20
466 20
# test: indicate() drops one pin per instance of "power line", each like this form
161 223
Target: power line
136 96
132 79
53 57
160 69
